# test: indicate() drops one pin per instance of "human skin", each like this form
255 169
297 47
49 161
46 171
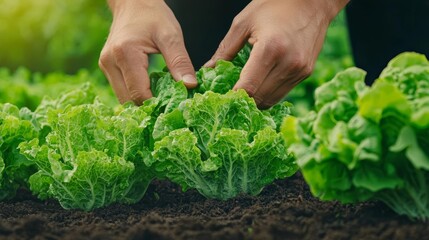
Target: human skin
286 35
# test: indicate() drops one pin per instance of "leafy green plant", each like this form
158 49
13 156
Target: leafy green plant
15 169
366 143
92 156
24 88
50 35
217 141
222 145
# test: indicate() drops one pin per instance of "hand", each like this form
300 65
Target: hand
287 36
140 28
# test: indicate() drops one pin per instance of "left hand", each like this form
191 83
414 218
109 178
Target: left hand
287 36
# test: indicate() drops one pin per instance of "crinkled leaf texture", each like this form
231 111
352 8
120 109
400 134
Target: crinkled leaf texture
220 79
220 144
217 141
92 157
369 142
15 169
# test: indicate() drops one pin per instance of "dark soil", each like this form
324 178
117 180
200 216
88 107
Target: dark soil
284 210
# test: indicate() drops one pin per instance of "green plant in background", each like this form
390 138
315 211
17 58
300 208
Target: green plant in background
26 89
50 35
366 143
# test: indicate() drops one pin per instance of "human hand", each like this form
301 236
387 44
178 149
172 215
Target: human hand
140 28
287 36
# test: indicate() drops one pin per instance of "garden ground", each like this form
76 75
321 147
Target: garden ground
284 210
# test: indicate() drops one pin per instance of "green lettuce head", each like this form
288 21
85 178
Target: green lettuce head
369 143
15 169
220 144
92 157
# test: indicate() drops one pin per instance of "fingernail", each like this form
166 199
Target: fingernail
190 79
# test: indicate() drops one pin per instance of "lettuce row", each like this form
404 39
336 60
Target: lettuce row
366 143
88 155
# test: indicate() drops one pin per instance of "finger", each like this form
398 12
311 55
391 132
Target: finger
275 97
114 76
269 100
278 84
178 61
231 44
133 63
256 70
290 70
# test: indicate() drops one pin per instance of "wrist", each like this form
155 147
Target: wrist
117 6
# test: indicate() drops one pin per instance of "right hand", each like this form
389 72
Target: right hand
140 28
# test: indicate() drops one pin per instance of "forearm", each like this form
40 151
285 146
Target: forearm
337 6
318 13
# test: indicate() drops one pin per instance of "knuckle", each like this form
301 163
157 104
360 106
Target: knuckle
179 61
221 48
275 46
278 46
119 50
169 35
237 23
307 70
298 63
104 60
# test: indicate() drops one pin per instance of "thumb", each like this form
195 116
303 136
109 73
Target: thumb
179 63
232 43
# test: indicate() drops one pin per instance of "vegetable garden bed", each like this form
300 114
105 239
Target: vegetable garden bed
74 152
88 163
284 210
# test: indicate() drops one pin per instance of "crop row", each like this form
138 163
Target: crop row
360 143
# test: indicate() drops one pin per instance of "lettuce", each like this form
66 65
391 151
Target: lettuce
409 72
368 143
15 169
220 79
220 144
216 140
92 157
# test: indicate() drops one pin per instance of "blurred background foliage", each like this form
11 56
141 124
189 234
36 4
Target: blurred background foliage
47 46
52 35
